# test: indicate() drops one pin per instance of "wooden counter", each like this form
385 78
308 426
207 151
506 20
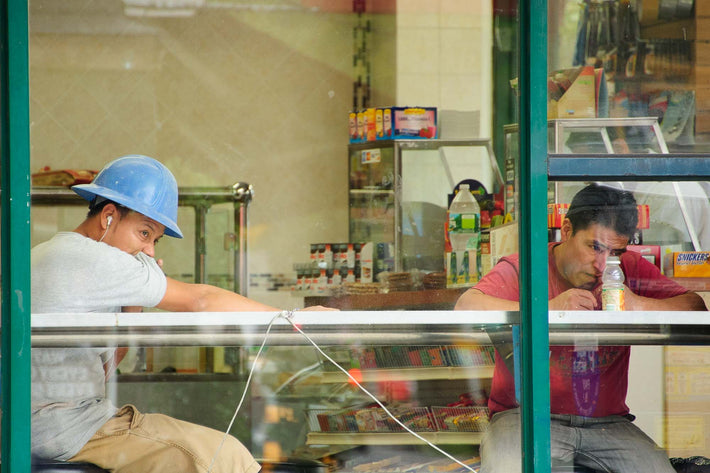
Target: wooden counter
430 299
694 284
433 299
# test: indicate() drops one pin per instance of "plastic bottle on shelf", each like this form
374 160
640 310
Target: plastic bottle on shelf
464 227
613 285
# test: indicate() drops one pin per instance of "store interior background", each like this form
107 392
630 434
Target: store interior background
259 91
247 91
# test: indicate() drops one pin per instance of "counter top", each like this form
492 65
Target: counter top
427 327
433 299
430 299
694 284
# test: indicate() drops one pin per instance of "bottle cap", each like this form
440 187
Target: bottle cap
612 259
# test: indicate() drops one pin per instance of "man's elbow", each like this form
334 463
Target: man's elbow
698 302
467 300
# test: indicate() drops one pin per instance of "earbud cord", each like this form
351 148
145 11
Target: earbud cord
246 388
288 315
108 224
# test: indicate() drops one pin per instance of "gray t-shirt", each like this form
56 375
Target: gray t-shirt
75 274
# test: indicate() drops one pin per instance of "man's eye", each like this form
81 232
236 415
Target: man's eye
617 252
597 248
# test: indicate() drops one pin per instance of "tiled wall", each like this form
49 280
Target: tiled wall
444 56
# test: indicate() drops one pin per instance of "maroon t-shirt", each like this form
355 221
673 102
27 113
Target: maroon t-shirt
586 381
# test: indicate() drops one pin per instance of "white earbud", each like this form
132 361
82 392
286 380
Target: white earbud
108 224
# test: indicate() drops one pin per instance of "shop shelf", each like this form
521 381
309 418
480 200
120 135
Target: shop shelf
418 419
403 438
461 419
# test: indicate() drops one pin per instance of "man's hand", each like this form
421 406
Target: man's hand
574 299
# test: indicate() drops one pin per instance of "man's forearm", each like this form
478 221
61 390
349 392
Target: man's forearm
473 299
688 301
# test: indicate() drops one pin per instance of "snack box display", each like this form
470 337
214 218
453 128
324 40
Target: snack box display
414 122
691 264
387 123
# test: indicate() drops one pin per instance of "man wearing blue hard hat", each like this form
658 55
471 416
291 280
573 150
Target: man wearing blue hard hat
107 265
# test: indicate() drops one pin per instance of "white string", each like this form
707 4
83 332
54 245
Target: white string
246 387
288 315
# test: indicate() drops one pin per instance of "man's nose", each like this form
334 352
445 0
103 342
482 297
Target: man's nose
600 261
149 250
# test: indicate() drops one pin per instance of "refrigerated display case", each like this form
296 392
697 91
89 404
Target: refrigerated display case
301 407
398 193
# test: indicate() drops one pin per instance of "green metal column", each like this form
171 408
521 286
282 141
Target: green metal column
15 229
534 343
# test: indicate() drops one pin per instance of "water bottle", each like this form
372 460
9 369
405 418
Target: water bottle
465 236
613 285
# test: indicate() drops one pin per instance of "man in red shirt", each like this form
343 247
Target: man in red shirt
591 424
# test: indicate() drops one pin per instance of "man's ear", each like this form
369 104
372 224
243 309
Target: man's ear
108 215
565 230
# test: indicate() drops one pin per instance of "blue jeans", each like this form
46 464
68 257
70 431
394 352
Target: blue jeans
608 444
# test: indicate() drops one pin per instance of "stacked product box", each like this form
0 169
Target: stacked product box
556 214
333 264
691 264
412 356
388 123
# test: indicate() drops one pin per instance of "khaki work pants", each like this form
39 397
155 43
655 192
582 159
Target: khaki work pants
156 443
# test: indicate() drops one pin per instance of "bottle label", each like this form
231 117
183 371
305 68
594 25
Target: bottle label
613 299
462 268
468 222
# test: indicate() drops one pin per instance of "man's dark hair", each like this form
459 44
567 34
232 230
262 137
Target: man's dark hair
606 206
97 205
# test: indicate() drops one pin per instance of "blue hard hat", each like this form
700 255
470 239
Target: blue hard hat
141 184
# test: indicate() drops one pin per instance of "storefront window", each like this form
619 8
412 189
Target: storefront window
343 154
621 93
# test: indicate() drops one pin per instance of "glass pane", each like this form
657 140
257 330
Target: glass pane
630 60
623 87
259 94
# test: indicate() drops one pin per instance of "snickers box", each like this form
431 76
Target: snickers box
691 264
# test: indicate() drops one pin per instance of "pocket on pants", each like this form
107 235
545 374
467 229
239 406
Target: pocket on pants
125 419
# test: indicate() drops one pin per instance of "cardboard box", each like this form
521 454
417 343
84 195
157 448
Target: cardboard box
384 123
352 127
652 253
691 264
556 214
360 118
367 262
644 217
389 123
578 93
413 122
370 124
504 241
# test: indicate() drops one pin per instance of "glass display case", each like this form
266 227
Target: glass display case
398 193
425 378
